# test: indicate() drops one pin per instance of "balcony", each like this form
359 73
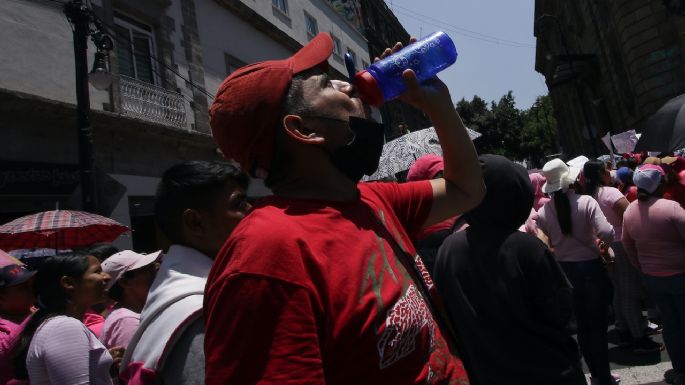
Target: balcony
154 104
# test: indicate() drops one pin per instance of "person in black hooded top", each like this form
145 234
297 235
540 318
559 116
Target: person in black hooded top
504 292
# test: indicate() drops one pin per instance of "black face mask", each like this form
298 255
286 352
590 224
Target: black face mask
361 156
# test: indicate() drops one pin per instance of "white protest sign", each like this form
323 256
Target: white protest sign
625 141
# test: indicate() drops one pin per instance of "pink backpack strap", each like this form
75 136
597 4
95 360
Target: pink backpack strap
136 374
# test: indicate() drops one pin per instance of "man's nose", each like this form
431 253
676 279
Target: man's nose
345 87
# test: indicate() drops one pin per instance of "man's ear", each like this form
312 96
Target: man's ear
295 129
191 222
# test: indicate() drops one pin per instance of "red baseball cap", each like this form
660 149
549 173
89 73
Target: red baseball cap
249 105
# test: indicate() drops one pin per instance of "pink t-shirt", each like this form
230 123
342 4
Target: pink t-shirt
588 223
120 325
529 226
654 236
64 351
94 322
607 198
9 338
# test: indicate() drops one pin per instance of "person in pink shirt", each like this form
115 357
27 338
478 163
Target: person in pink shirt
539 200
56 347
538 180
654 239
631 324
16 302
131 275
572 222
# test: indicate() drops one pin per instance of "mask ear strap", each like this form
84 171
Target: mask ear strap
354 137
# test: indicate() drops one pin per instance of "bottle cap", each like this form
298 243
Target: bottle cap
369 91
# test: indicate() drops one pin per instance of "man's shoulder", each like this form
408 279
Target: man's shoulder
265 224
268 242
524 246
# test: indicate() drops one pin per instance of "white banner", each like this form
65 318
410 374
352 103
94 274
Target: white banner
607 142
606 139
625 141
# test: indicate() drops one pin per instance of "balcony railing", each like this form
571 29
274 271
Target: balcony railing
148 102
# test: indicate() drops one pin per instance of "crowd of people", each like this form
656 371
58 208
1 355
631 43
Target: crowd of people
471 271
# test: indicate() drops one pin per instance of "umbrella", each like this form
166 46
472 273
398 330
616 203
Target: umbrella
665 130
59 229
402 152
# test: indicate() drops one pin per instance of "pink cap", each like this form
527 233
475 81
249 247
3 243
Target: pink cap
120 263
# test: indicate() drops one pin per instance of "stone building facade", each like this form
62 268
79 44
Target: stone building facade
608 64
168 60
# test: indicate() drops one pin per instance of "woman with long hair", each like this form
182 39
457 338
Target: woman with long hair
56 347
654 239
572 222
630 322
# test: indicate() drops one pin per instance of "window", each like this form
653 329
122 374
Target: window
232 63
354 55
311 25
135 47
281 5
337 48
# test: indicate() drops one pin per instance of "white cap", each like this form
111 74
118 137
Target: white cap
559 175
648 177
120 263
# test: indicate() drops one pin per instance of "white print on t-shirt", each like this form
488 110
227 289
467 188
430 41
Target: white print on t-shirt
424 272
403 323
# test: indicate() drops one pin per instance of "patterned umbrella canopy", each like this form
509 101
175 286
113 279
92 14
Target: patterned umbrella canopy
402 152
59 229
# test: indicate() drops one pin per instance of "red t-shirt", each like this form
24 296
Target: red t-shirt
311 292
675 192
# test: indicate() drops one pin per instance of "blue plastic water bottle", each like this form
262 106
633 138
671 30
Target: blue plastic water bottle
383 81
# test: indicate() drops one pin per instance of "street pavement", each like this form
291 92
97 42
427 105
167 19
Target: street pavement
636 369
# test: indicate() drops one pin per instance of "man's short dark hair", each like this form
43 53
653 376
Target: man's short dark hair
293 103
191 184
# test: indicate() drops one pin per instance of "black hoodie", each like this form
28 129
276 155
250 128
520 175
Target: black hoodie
505 294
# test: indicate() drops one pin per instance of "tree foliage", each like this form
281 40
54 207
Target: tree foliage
517 134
